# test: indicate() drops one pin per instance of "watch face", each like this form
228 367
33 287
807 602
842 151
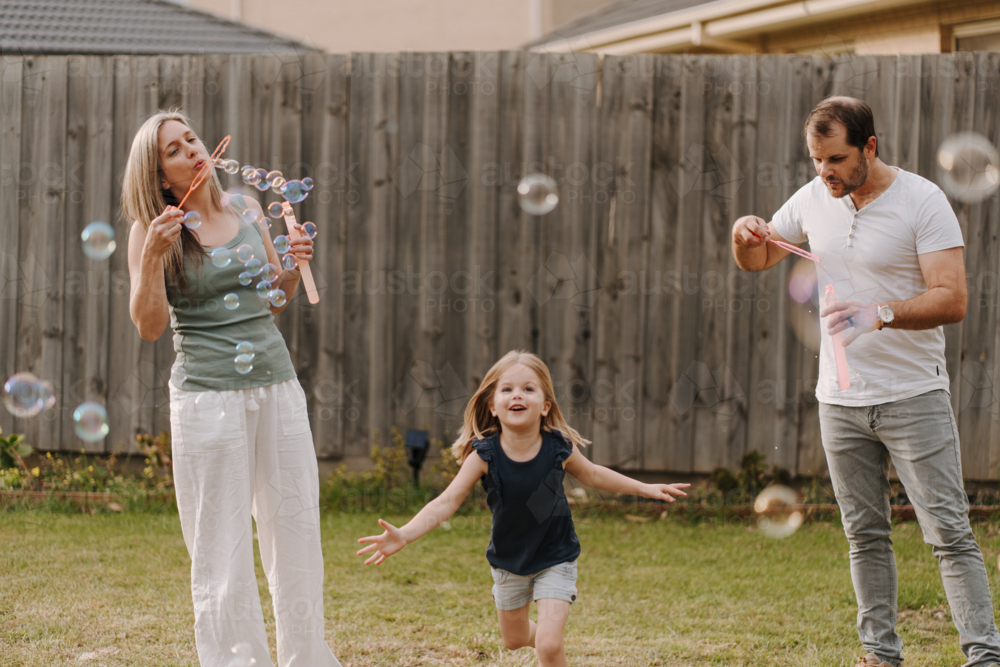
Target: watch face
885 314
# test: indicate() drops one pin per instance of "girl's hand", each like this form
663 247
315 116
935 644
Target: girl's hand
383 545
664 491
302 248
163 231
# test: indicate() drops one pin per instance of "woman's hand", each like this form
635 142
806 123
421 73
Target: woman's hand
664 491
302 247
383 545
163 231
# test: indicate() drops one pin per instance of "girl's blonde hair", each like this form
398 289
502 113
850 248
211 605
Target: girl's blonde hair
143 199
479 423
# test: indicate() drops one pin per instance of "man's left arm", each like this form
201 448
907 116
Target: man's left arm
944 302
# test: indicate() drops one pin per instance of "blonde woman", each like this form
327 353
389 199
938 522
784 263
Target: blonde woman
242 446
523 448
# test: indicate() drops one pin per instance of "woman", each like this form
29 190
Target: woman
242 445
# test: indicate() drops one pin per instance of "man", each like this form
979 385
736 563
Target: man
891 247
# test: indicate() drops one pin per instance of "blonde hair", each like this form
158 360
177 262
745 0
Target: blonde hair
479 423
143 199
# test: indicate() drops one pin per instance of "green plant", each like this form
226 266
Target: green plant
14 473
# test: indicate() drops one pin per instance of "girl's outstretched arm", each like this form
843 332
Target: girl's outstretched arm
430 517
599 477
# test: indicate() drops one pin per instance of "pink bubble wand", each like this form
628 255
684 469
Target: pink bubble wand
792 249
839 353
293 232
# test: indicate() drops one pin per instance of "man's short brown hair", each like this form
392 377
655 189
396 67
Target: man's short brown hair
853 114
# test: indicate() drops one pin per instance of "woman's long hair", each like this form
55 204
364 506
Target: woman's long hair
143 199
479 423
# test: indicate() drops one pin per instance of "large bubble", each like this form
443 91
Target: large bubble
537 194
98 240
969 167
90 420
778 514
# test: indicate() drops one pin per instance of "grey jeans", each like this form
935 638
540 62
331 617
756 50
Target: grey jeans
920 436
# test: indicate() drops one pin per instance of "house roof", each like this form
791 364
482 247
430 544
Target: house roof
128 26
612 15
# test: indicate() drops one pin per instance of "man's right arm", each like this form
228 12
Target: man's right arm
750 246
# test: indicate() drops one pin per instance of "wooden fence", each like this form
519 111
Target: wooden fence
664 353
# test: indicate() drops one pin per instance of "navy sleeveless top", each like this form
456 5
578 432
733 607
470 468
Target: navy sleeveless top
532 523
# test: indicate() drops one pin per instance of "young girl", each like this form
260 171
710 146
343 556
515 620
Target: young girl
523 447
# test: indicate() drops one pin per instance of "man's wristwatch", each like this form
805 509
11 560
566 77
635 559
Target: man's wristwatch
885 316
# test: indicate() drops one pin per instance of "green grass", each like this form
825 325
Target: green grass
660 593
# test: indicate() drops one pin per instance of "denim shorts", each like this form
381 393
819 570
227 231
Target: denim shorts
513 591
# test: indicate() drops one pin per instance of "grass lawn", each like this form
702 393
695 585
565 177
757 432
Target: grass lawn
113 589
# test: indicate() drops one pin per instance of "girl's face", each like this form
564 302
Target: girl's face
518 401
182 155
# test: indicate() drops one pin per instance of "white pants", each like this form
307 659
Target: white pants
257 459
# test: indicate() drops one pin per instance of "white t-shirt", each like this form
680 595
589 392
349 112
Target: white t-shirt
871 256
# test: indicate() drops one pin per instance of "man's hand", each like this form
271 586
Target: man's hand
844 315
750 232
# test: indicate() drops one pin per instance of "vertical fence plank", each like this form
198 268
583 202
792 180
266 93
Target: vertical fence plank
565 282
332 399
11 128
131 360
90 95
42 241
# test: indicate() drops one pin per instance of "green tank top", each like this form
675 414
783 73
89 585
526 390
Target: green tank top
207 328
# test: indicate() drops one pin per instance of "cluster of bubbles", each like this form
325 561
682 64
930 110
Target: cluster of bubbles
244 357
537 194
969 167
293 191
778 512
25 395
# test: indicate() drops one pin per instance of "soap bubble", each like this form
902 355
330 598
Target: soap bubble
47 393
22 394
307 183
275 209
242 656
221 257
98 240
281 244
244 253
192 220
269 273
969 167
232 166
244 363
277 298
210 406
232 301
249 173
776 511
289 262
245 347
294 192
253 266
90 420
309 229
263 289
803 308
537 194
245 278
178 376
261 182
273 175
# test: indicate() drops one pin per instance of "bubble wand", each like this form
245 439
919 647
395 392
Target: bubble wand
839 353
793 249
210 164
293 232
